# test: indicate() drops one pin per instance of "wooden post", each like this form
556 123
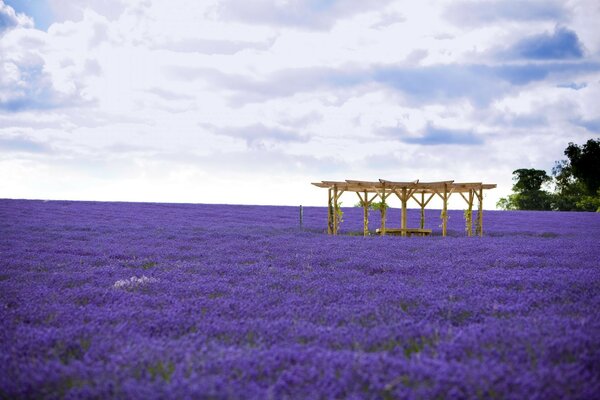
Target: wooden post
301 215
366 215
422 210
335 209
403 200
469 215
329 213
383 212
480 213
445 211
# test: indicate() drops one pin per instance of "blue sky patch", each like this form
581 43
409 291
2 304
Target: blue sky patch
39 10
563 44
592 125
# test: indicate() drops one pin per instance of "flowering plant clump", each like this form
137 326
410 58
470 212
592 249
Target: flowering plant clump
142 301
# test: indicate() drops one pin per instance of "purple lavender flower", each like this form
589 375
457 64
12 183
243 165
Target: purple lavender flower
104 300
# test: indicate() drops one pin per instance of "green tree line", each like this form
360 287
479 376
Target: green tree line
573 186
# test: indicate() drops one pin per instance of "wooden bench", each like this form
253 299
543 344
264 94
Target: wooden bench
408 231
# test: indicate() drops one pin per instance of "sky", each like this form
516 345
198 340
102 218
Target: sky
248 102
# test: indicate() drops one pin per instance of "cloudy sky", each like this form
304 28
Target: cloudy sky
231 101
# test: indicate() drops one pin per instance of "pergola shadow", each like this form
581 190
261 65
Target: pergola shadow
421 192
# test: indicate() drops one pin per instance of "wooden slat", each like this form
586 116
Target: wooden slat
364 183
432 185
466 184
399 185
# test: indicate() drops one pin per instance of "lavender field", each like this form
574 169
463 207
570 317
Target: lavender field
125 300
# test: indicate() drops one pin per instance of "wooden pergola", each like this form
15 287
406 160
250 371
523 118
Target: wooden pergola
421 192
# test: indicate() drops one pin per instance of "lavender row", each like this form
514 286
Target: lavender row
177 301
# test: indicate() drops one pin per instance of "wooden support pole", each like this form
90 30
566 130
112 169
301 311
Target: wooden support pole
445 211
469 214
480 213
366 215
383 210
329 213
422 204
404 211
335 209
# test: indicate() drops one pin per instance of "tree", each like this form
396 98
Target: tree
577 180
528 193
585 164
576 183
568 189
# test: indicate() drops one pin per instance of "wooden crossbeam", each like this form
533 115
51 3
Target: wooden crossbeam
364 184
360 197
371 186
422 202
429 199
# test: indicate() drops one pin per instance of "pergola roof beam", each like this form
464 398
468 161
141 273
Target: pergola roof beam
419 187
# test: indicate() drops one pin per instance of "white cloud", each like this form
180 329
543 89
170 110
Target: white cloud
9 19
157 101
